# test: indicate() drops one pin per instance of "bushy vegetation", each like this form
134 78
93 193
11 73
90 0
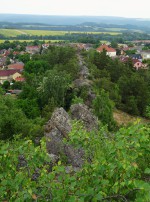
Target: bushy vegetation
128 89
116 169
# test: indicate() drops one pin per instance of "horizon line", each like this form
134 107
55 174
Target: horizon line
64 15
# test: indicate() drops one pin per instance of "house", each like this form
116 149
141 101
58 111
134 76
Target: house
136 56
137 64
9 75
32 49
20 79
109 50
145 54
45 46
18 66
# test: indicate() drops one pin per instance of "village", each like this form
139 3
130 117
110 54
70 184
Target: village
12 59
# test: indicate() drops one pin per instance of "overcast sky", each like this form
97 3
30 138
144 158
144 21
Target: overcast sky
123 8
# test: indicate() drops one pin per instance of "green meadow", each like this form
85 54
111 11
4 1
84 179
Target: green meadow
15 32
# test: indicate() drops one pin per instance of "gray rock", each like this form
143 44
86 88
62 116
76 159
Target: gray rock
70 169
90 97
82 113
75 156
58 128
60 120
84 73
54 159
82 82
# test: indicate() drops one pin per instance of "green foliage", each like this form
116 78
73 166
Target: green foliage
101 60
71 68
59 55
114 44
36 67
24 58
49 109
128 88
17 85
13 120
6 85
29 107
147 113
54 86
1 91
103 109
128 52
117 168
77 100
135 93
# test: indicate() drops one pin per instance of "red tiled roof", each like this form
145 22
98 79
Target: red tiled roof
32 47
8 72
21 79
105 47
16 66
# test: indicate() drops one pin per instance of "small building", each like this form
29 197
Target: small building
145 54
9 75
18 66
45 46
32 49
20 79
109 50
136 56
137 64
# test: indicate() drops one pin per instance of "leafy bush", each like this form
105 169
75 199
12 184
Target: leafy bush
116 168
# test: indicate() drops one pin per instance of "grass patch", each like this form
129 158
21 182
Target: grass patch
123 118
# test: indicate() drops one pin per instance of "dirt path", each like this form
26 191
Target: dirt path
21 32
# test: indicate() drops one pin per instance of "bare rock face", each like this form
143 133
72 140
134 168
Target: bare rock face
84 72
56 129
90 97
59 127
82 82
60 120
76 156
82 113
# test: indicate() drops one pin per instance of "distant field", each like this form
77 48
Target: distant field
15 32
115 29
9 32
2 41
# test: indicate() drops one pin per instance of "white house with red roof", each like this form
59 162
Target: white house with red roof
109 50
32 49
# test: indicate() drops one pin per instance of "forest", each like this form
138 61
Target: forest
116 157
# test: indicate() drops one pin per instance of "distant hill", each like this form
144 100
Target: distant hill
46 22
71 20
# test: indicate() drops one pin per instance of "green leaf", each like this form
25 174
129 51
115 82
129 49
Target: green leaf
147 171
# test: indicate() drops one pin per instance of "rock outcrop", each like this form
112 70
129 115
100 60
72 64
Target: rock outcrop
56 129
82 113
59 127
